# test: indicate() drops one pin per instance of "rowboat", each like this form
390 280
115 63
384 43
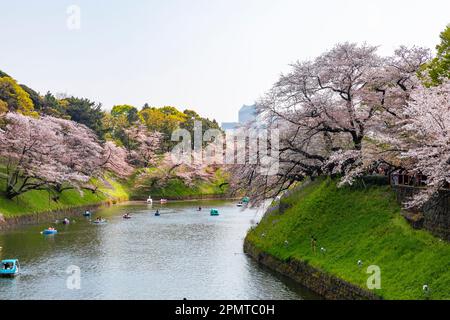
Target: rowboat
49 232
9 268
87 213
101 221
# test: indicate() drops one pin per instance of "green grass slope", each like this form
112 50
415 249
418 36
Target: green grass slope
357 224
39 201
178 189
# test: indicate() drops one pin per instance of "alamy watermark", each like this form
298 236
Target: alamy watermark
73 21
374 280
254 146
73 281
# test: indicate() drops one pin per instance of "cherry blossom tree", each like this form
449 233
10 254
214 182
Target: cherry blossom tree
328 108
423 139
169 168
266 172
142 145
34 153
80 154
53 154
115 159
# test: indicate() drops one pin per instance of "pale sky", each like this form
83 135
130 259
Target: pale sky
212 56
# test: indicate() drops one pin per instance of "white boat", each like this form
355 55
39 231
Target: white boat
100 221
150 200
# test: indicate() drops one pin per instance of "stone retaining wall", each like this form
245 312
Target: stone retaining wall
434 216
327 286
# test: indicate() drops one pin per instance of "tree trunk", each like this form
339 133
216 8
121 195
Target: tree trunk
10 193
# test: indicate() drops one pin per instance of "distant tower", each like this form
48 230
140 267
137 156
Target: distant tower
247 114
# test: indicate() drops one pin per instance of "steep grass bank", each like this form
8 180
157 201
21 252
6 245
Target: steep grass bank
356 224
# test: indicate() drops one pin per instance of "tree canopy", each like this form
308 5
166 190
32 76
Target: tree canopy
14 98
130 112
86 112
58 143
438 69
348 113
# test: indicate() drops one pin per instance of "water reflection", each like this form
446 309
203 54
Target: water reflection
184 253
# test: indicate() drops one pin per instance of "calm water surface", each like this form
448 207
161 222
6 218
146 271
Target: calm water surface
181 254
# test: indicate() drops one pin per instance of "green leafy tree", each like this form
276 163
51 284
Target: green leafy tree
118 121
15 97
3 74
439 67
3 107
130 112
192 117
114 128
164 120
34 96
54 107
85 112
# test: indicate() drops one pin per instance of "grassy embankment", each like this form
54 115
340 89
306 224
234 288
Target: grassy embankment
37 201
177 189
109 190
352 224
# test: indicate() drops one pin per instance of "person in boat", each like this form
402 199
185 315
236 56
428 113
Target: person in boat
157 213
199 208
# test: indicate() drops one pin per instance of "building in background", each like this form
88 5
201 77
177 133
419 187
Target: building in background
229 125
246 114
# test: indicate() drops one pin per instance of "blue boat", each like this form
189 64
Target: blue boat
9 268
48 232
214 212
